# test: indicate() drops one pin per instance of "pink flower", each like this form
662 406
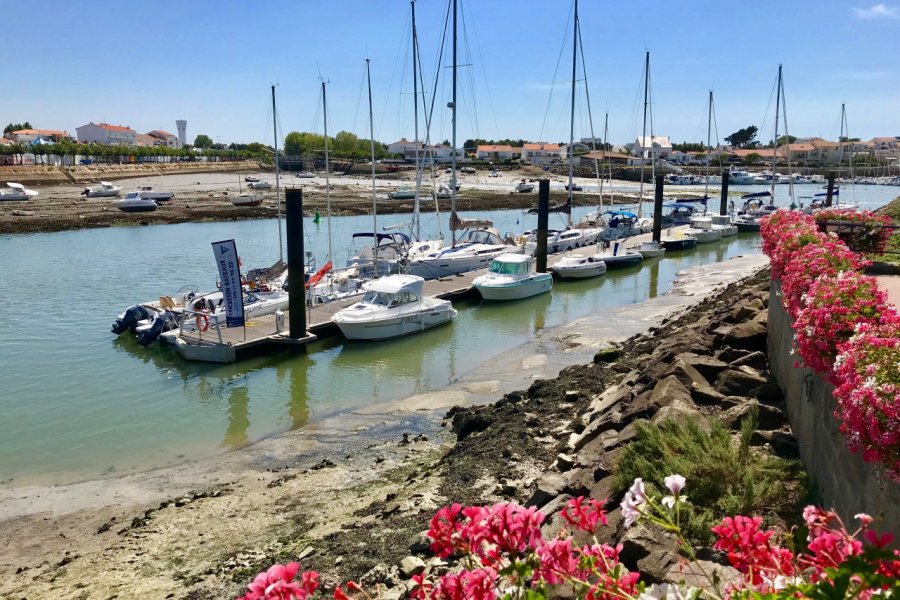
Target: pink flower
479 584
584 513
444 530
557 562
277 583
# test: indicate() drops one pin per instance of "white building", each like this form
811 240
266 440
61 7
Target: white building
104 133
402 145
579 148
657 147
27 136
165 138
497 152
540 153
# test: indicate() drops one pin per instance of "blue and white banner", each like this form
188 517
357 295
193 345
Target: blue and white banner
230 276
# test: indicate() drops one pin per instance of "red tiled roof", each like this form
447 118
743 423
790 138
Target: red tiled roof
542 146
109 127
496 148
159 133
39 132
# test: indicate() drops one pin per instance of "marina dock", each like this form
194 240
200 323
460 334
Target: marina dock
265 334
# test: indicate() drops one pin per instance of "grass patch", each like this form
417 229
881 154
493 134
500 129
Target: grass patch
725 476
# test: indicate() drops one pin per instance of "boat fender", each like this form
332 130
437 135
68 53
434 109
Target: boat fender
202 322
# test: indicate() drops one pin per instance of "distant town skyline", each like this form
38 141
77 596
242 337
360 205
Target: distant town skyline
212 63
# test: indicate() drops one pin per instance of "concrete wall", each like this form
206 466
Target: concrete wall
844 482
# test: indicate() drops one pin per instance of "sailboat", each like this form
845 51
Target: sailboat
245 199
482 242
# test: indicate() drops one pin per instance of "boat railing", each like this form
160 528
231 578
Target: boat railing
210 332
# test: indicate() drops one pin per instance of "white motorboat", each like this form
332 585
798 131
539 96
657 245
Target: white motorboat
16 191
305 175
578 266
747 222
678 240
651 249
251 179
702 229
739 177
246 199
510 278
723 224
620 259
104 190
151 193
134 203
393 306
259 185
443 192
524 187
475 251
403 194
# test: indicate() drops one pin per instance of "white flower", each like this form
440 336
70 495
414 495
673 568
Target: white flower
637 491
670 501
631 509
675 483
864 518
668 591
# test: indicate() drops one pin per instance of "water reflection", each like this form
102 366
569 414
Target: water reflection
516 317
238 418
653 287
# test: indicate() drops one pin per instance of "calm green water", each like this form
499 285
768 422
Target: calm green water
78 402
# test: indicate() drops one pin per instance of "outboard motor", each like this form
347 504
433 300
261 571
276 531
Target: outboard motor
161 322
128 320
85 192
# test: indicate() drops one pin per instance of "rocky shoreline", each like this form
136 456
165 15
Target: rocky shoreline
361 515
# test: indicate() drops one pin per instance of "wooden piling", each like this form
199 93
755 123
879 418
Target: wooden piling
723 199
543 222
829 194
296 268
657 208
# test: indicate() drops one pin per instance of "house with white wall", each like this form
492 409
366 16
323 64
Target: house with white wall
497 152
650 148
104 133
165 138
540 153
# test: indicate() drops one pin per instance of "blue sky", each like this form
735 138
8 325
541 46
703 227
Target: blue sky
146 64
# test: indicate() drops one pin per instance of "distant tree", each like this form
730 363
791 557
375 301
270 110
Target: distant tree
16 127
752 158
345 143
786 139
743 137
844 138
689 147
203 141
445 143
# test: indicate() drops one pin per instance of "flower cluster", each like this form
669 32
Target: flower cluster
868 369
500 552
770 567
824 290
862 231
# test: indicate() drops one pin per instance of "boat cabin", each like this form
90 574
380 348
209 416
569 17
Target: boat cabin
488 236
511 264
394 291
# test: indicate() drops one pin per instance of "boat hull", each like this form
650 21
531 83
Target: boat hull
679 244
397 326
652 253
747 227
579 271
538 283
622 260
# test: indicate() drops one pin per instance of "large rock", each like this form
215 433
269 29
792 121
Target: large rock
783 444
705 394
666 391
548 487
708 366
686 373
755 360
739 382
680 412
411 565
608 399
650 550
702 574
608 355
769 417
750 335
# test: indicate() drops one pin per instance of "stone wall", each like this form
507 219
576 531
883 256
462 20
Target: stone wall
841 478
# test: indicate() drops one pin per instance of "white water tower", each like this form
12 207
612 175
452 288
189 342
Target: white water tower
181 124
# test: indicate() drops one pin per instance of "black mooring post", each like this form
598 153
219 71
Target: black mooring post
543 221
657 208
723 199
829 193
293 199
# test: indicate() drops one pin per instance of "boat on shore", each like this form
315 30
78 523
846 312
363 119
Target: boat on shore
104 190
524 187
151 193
16 192
393 306
246 199
510 278
133 203
260 185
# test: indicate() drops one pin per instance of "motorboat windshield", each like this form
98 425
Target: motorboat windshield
483 236
377 298
508 268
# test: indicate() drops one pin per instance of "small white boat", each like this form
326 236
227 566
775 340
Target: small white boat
510 278
701 229
443 192
739 177
260 185
620 259
104 190
524 187
724 225
17 191
651 249
246 199
134 203
148 192
393 306
494 173
305 175
747 222
578 266
251 179
403 194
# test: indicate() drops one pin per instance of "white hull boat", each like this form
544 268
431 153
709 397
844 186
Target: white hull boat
741 178
134 203
393 306
260 185
246 200
104 190
148 192
651 249
17 192
474 252
306 175
620 259
577 266
524 187
510 278
701 229
723 224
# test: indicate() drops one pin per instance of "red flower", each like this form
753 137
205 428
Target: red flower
584 513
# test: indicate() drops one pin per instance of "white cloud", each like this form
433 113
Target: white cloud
877 11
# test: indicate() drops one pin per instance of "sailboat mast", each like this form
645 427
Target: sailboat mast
644 134
605 153
708 144
372 144
572 114
841 135
775 142
453 150
327 172
277 178
415 62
